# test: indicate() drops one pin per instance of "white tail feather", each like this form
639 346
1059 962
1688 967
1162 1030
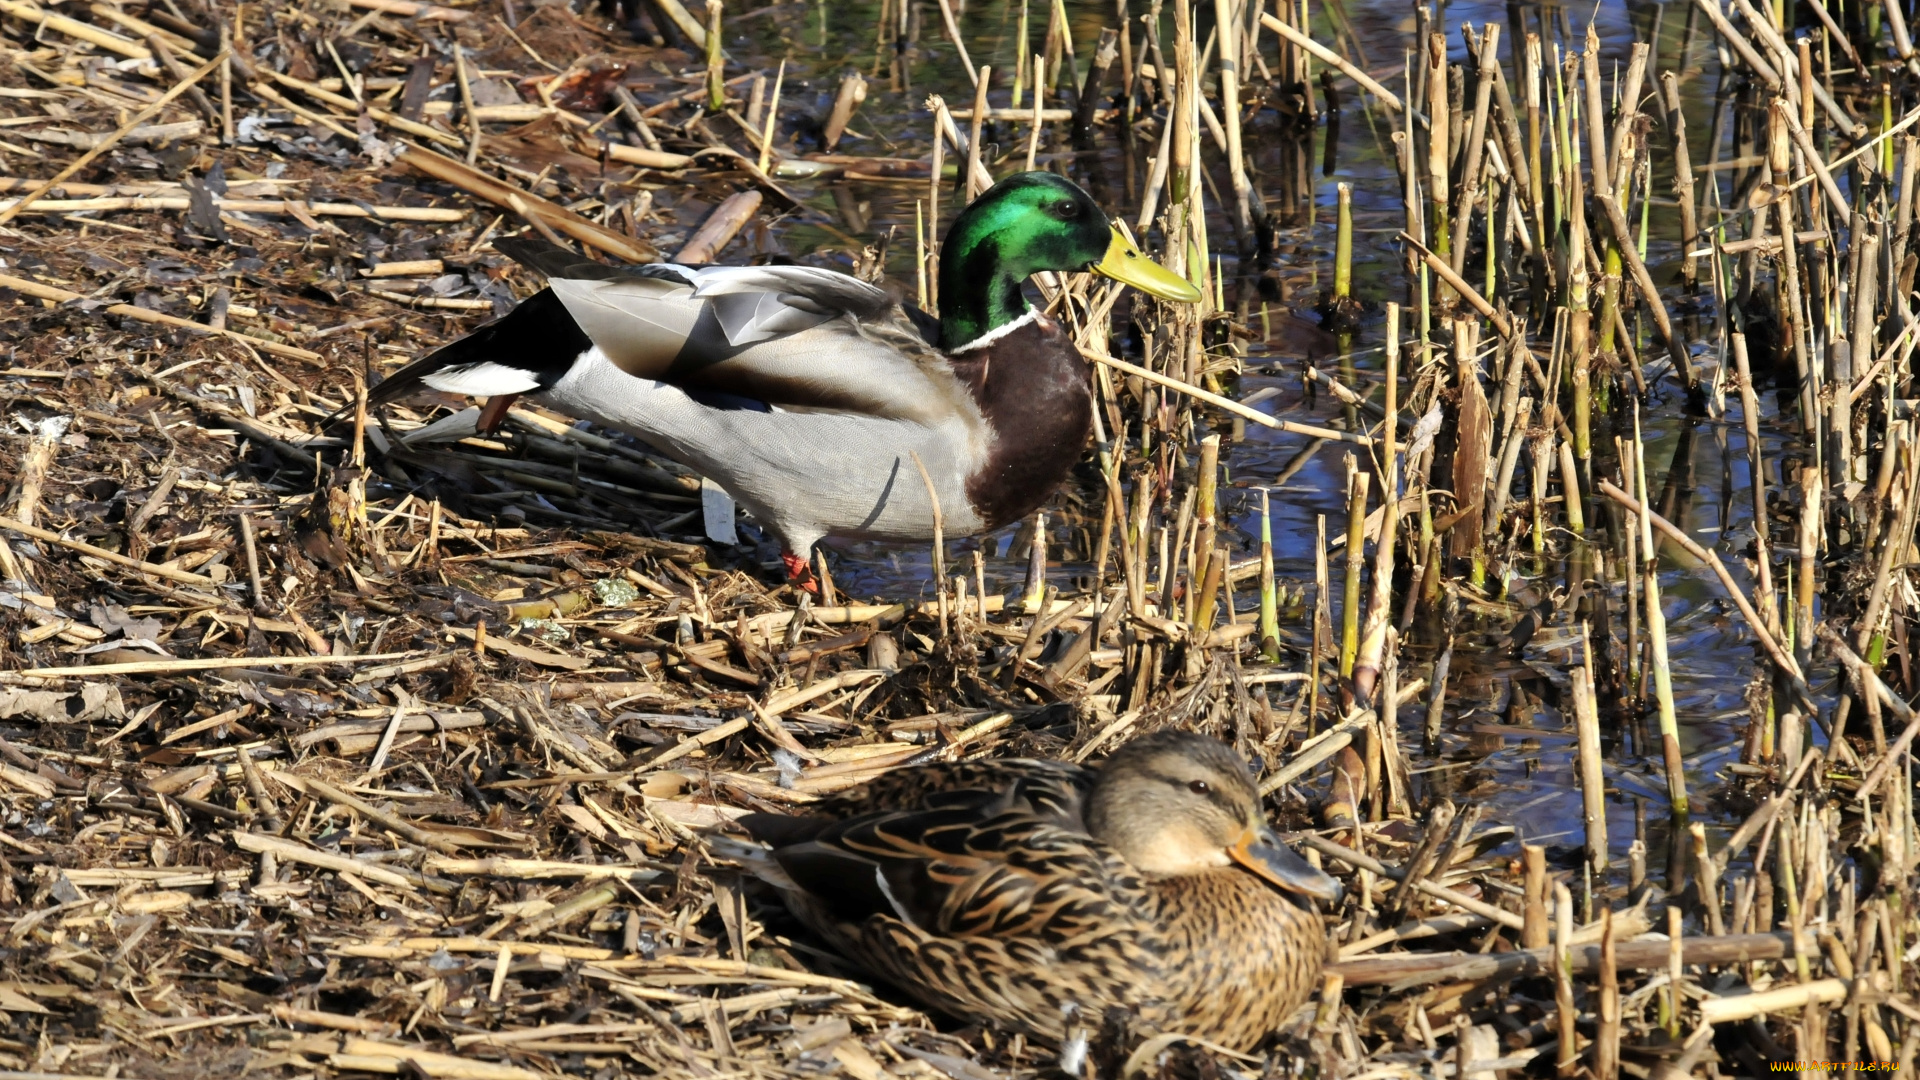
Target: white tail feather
484 379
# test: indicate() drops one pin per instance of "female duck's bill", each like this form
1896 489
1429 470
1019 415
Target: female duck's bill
1263 852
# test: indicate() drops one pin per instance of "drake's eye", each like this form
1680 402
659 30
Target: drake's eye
1199 787
1067 209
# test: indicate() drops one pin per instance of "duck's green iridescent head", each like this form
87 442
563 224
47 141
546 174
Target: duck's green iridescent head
1027 223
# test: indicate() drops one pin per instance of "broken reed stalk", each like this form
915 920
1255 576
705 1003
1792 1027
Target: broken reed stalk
1871 637
1683 186
1186 106
1371 656
1807 585
1570 492
1036 566
939 539
930 250
1656 623
1358 481
1225 403
1501 323
1171 560
973 132
716 64
536 210
1532 81
952 28
1339 63
1509 460
1206 515
922 253
1269 598
1022 37
1439 162
157 570
253 562
226 85
1534 927
1106 50
466 102
1593 786
1047 80
1033 131
180 71
1757 481
719 229
683 20
766 141
132 311
1226 37
853 91
1472 144
1779 158
1343 243
1565 1016
1606 1056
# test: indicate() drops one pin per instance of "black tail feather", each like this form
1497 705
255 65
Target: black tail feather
543 257
537 337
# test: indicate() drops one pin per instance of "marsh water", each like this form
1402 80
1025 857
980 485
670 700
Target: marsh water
1526 781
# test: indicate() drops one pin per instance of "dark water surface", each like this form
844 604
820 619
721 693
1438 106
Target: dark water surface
1529 784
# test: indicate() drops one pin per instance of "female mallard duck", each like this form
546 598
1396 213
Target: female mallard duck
1036 895
815 398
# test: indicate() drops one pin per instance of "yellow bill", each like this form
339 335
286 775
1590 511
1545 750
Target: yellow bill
1125 264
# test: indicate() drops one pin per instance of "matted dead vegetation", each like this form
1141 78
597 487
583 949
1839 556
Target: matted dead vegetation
327 754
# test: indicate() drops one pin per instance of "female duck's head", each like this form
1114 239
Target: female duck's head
1174 803
1027 223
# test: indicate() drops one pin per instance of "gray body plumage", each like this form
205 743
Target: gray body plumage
804 393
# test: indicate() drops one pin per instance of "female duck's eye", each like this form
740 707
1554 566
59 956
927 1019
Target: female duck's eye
1199 787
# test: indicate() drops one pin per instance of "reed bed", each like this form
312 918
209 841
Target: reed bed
326 753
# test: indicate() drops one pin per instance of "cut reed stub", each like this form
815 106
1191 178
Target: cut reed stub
719 229
1339 312
853 91
645 158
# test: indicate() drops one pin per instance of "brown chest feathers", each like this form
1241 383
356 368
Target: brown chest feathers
1038 394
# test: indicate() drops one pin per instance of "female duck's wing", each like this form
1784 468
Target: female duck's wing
1006 918
1051 789
981 849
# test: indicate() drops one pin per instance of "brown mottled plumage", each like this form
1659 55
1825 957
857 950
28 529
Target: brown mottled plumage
1037 895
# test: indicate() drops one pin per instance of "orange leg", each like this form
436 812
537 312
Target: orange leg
799 574
495 411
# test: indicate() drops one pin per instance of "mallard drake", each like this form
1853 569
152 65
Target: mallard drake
814 398
1036 895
